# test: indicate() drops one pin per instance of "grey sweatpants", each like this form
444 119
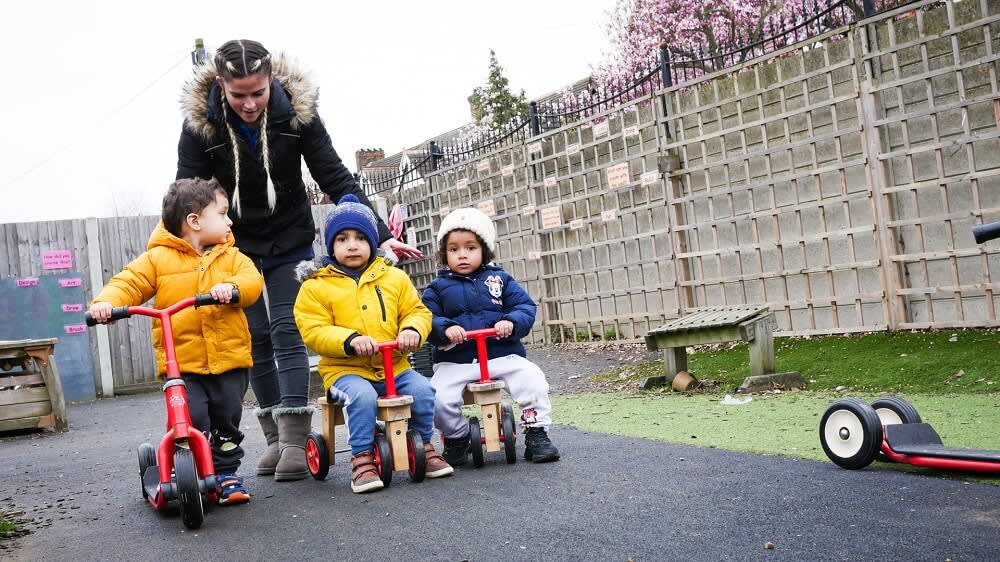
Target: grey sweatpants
523 379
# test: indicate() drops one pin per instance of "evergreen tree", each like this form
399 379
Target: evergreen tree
493 105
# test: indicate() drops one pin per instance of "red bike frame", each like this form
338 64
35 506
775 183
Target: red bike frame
938 462
179 424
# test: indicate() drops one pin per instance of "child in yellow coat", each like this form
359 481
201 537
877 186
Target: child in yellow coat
344 309
191 251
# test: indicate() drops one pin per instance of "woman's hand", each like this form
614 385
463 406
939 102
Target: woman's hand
456 334
401 250
364 345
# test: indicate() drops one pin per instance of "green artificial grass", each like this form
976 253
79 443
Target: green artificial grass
6 526
908 362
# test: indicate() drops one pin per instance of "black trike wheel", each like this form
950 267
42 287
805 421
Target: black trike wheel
509 434
147 458
416 455
476 442
851 433
383 459
892 410
188 495
317 455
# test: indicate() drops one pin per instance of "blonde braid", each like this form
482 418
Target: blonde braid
272 197
236 159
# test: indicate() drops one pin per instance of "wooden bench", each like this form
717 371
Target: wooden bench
32 395
714 324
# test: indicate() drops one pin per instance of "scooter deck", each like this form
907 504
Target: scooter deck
920 439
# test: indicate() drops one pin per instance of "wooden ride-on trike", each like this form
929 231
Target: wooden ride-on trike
498 425
396 446
181 468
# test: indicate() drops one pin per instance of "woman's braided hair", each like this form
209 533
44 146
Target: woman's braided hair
238 59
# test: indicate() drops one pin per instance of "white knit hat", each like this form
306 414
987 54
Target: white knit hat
470 219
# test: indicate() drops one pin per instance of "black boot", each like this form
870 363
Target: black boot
538 447
456 451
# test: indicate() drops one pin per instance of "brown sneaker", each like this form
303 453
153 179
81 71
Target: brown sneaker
364 476
436 465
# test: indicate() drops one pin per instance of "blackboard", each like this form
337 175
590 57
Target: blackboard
52 306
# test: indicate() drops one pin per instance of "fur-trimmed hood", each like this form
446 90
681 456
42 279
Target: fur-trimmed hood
293 97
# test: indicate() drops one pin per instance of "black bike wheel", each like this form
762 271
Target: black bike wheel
188 494
476 442
383 459
851 433
892 410
317 455
416 455
509 434
147 458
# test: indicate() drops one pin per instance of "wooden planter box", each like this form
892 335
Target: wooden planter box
31 394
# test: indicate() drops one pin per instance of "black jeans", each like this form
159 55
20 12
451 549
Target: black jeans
276 338
216 406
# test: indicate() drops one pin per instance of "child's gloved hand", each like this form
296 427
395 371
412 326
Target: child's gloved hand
364 345
504 328
408 340
101 311
223 292
455 334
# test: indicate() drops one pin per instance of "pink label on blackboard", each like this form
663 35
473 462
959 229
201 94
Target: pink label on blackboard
72 308
74 282
75 328
57 259
28 282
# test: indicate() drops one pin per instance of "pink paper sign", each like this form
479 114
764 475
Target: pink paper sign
28 282
72 282
72 308
75 328
57 259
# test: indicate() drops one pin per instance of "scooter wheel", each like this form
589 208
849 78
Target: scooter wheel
147 458
476 442
383 459
892 410
416 455
317 456
509 435
188 495
851 433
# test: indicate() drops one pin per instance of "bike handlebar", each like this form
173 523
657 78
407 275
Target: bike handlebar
985 232
122 312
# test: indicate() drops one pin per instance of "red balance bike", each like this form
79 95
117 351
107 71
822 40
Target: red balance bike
498 426
181 468
854 434
396 446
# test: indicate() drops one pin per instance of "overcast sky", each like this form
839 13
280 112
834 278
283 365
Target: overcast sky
91 114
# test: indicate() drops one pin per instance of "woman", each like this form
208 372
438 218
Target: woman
249 121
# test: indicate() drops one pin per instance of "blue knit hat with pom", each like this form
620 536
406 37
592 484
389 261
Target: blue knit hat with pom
351 213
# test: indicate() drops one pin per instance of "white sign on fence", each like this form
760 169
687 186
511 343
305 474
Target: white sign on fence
487 207
535 148
551 217
631 131
508 170
608 216
483 166
650 178
576 224
572 149
528 210
462 184
618 176
550 182
601 129
534 255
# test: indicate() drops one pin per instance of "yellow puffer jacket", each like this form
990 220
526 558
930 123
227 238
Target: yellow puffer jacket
332 306
208 339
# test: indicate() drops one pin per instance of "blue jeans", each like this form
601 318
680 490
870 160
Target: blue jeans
276 338
358 396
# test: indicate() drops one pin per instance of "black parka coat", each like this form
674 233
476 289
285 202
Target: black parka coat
294 132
